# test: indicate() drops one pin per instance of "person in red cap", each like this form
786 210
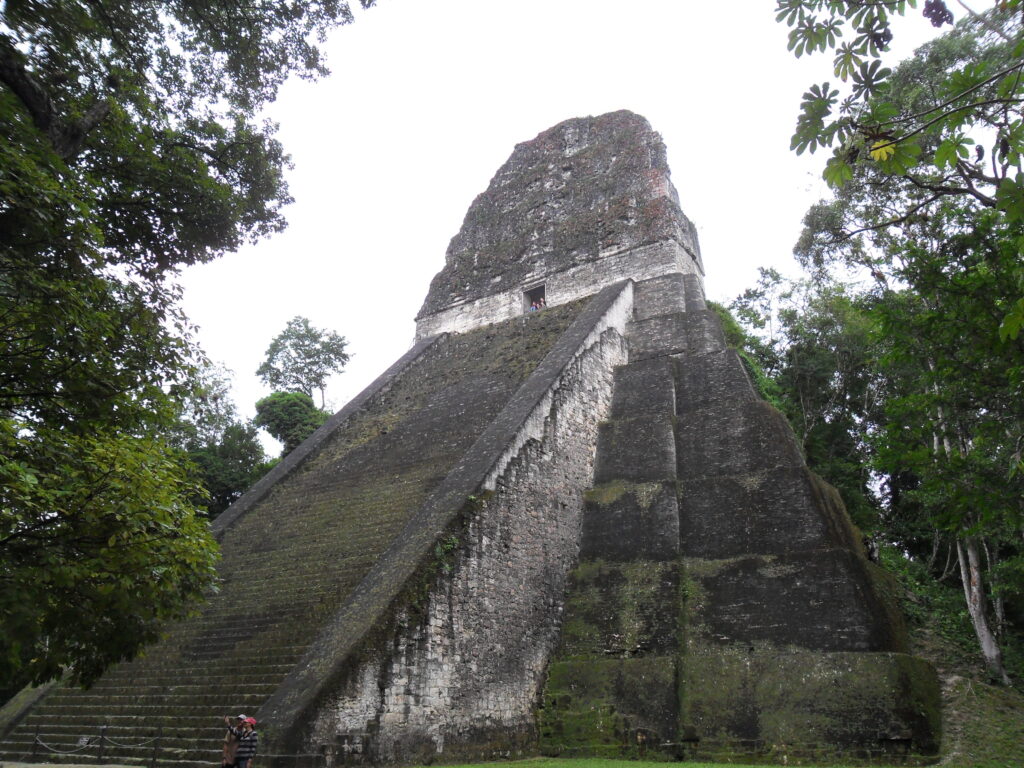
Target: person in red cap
248 741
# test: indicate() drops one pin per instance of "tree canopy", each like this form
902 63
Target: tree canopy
920 372
224 450
945 125
289 417
301 358
130 146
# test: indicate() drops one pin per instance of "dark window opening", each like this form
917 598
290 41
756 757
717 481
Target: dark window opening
533 299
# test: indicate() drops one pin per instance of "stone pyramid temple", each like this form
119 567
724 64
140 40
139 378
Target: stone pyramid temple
563 523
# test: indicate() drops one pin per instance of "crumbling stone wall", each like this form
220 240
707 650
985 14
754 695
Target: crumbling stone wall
579 207
462 671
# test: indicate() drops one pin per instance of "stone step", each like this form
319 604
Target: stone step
169 665
196 717
201 696
217 675
67 732
181 687
149 708
169 756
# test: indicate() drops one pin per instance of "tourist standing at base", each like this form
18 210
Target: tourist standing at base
247 744
234 732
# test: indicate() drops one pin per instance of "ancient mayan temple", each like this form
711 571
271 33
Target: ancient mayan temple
573 531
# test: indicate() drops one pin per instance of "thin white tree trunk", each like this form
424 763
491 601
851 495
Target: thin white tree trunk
974 592
998 607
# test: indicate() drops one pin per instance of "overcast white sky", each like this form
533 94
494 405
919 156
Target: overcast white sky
428 98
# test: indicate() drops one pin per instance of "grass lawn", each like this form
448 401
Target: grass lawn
551 762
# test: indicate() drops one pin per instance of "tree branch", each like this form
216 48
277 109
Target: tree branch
897 220
944 190
66 139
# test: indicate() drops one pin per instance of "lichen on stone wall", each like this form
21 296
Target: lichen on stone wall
577 192
460 672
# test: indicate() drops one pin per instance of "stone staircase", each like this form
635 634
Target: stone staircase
290 561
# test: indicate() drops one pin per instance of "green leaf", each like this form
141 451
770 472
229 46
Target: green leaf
837 172
1010 197
1012 324
953 149
904 156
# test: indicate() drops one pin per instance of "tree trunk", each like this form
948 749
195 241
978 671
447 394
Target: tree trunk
998 606
974 592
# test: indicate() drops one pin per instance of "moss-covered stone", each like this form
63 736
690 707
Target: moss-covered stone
621 609
772 701
609 707
820 600
648 511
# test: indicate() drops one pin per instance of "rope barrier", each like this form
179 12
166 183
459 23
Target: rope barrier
88 743
129 746
93 741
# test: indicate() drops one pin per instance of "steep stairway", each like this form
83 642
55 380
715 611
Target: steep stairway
291 560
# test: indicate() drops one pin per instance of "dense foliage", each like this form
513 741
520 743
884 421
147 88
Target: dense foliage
129 147
224 450
921 373
289 417
946 125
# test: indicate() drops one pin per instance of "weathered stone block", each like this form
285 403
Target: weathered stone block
644 388
777 511
784 703
659 296
610 707
626 521
660 335
703 331
693 288
825 600
636 450
701 380
616 609
734 439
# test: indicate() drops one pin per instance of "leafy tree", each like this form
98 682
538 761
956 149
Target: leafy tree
290 417
945 125
129 146
99 546
301 358
949 439
229 466
224 450
99 542
913 379
955 425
